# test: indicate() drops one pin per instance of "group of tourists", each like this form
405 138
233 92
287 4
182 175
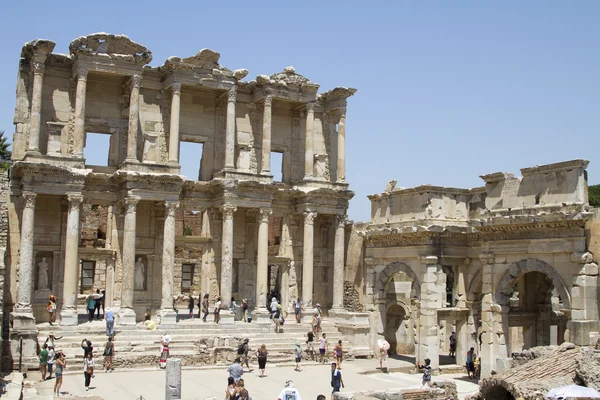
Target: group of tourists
52 361
95 303
204 307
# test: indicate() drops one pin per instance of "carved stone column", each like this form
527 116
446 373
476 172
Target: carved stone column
262 267
308 258
309 158
266 142
25 286
428 321
79 125
127 313
174 125
487 351
227 254
230 130
341 148
36 104
338 262
168 263
68 313
134 114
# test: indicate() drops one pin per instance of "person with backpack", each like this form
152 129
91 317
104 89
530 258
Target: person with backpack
277 318
243 350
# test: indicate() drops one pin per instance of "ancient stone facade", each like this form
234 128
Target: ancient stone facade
507 266
137 228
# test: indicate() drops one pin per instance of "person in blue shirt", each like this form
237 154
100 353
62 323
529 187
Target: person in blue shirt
336 379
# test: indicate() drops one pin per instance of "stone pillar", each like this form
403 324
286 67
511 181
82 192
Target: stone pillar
173 381
25 286
79 125
168 315
338 262
230 131
127 313
584 305
309 158
462 340
308 259
134 114
341 149
68 313
174 125
428 321
487 351
36 104
266 142
262 268
227 254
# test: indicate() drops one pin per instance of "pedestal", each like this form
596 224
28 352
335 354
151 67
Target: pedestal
227 317
127 317
262 316
168 317
306 317
69 318
23 337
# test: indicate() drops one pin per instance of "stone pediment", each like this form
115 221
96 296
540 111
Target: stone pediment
110 47
337 93
206 59
287 78
37 46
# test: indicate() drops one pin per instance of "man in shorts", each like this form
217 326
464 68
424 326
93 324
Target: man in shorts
44 361
323 348
244 355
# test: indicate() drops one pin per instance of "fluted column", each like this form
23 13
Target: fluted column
26 255
308 258
227 254
174 125
338 262
262 268
127 313
266 143
309 158
230 129
68 313
168 264
341 148
134 112
36 104
79 125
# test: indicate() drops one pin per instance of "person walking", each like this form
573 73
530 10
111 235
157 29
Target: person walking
91 305
298 354
336 379
109 316
98 304
310 344
61 365
289 392
44 362
86 345
298 309
88 370
426 379
217 311
51 356
261 355
452 345
243 350
103 298
277 318
339 353
205 307
233 307
191 306
384 346
274 305
471 363
323 347
235 370
245 310
51 340
164 349
51 309
109 352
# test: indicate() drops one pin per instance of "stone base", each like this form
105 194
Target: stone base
127 317
243 176
24 344
227 317
69 318
62 162
261 316
581 333
167 317
306 316
136 166
355 327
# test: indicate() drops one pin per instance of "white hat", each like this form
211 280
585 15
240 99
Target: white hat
289 384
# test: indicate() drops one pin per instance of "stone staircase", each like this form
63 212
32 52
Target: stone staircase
196 343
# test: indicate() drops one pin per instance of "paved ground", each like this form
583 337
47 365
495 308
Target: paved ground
208 383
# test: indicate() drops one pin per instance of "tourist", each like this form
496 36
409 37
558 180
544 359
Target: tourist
243 354
148 315
336 379
245 310
426 379
217 311
110 322
323 347
277 318
91 305
51 309
452 345
61 365
86 345
103 301
50 341
44 362
261 355
310 342
233 306
88 370
235 370
298 354
232 391
98 304
289 392
109 352
205 307
191 306
384 346
470 363
316 321
339 353
274 306
242 392
477 365
298 307
51 357
164 349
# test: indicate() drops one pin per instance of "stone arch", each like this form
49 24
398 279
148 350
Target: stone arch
519 268
403 306
389 272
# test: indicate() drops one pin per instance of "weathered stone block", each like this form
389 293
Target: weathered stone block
582 257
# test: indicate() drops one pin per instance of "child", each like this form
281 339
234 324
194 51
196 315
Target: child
426 381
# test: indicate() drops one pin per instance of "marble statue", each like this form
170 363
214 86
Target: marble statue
140 274
43 274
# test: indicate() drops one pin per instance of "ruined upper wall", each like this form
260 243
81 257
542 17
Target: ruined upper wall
540 188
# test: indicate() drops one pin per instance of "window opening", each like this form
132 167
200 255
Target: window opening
277 166
190 159
87 274
97 148
187 276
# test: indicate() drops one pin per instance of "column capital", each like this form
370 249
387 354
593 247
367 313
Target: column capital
264 214
487 259
136 81
176 87
75 200
268 100
232 94
310 107
228 210
82 72
429 260
309 217
131 203
29 199
171 207
341 220
38 67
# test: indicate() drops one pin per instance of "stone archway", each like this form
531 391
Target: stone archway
398 330
389 271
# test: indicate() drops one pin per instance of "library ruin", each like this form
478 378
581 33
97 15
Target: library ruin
507 266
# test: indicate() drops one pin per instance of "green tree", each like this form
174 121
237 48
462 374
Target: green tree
594 195
5 153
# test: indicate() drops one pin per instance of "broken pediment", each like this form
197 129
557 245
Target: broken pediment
37 46
289 78
114 47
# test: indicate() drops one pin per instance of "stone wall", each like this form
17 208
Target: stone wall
439 391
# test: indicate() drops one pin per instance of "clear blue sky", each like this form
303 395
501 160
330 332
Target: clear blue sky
447 90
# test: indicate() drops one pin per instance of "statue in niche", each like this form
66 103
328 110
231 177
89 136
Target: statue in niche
43 274
140 275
